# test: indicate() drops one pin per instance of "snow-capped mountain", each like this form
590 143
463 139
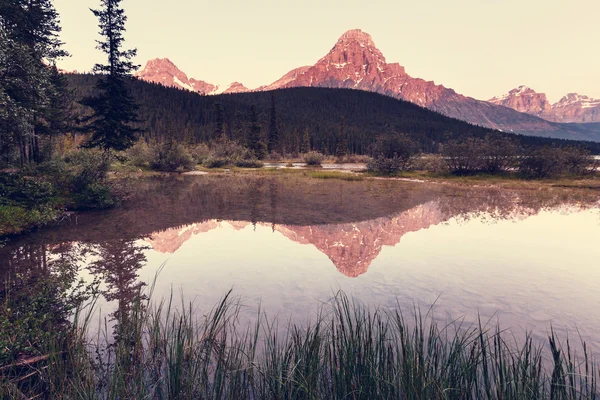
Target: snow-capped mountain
571 108
165 72
355 62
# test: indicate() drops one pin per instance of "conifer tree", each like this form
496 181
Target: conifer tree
305 143
29 48
219 121
295 145
113 109
273 141
255 139
342 144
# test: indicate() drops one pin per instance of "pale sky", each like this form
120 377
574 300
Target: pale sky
480 48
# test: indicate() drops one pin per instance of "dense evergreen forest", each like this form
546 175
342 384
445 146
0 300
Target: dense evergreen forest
187 117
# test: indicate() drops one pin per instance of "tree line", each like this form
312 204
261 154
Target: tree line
297 119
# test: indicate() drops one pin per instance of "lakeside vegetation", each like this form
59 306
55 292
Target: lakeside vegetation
159 350
58 149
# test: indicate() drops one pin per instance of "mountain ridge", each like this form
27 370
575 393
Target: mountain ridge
572 107
355 62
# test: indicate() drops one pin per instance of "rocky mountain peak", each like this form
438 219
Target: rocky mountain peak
356 35
571 108
354 48
524 99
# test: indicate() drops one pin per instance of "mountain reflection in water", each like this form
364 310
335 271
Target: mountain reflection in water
526 257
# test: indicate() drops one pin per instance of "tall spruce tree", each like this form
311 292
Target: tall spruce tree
255 140
273 142
113 109
342 143
305 143
29 50
220 122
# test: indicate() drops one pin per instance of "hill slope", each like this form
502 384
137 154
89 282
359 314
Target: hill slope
187 116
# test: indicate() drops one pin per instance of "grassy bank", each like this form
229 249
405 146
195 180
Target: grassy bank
348 352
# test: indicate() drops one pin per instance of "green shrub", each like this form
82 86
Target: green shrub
217 162
492 155
252 163
275 156
577 160
16 219
172 157
229 149
200 153
95 196
87 167
26 191
313 158
429 162
140 154
551 162
385 166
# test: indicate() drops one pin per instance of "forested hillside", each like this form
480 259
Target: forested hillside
188 117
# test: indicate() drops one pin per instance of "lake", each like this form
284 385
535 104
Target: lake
526 259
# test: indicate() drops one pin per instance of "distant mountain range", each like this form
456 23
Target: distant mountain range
355 62
571 108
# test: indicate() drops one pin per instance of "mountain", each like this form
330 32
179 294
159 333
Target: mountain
163 71
355 62
571 108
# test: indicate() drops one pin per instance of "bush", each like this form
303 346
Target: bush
172 157
216 162
253 163
500 154
87 167
17 219
229 149
429 162
313 158
95 196
385 166
28 192
200 153
275 156
140 154
551 162
492 154
392 153
577 160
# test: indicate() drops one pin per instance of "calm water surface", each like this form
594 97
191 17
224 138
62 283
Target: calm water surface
526 259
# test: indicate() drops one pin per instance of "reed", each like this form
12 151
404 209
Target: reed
161 350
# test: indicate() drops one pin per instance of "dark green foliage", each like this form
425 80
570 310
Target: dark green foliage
172 157
86 167
305 143
551 162
113 112
219 120
113 108
33 101
255 141
499 154
25 203
392 153
273 142
341 148
491 154
179 114
95 196
29 192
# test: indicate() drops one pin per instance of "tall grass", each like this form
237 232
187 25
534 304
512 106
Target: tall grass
160 351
